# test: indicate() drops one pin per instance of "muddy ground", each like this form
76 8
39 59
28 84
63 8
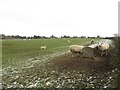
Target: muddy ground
87 70
65 71
77 62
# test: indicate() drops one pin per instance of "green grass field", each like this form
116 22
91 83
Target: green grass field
14 51
25 65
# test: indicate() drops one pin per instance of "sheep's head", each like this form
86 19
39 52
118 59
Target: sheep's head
98 46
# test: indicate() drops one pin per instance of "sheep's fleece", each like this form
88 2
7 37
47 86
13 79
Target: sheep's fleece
76 48
104 46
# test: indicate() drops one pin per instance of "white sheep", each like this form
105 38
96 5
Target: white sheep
94 45
43 47
92 42
68 41
76 49
103 47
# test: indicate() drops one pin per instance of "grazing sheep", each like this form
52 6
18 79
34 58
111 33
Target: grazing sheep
68 41
43 47
94 45
103 47
92 42
76 49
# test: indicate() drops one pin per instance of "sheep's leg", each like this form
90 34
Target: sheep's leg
102 53
80 53
106 53
72 54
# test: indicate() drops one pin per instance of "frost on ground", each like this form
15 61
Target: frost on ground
40 72
11 75
43 74
70 79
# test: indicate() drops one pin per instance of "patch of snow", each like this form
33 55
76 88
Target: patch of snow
33 85
105 86
48 83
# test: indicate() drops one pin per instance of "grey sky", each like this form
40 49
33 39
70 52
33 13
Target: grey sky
59 17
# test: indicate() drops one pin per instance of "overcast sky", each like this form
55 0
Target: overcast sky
59 17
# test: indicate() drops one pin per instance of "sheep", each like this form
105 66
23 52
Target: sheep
92 42
94 45
103 47
76 49
68 41
43 47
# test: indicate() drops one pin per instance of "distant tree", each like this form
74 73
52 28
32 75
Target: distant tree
52 36
98 36
116 35
16 36
44 37
29 37
65 36
91 37
24 37
2 36
83 36
34 37
75 36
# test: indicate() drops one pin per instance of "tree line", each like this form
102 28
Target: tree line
3 36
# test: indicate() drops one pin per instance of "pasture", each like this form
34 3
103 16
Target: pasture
25 65
15 51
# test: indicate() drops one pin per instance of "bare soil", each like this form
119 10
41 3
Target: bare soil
77 62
